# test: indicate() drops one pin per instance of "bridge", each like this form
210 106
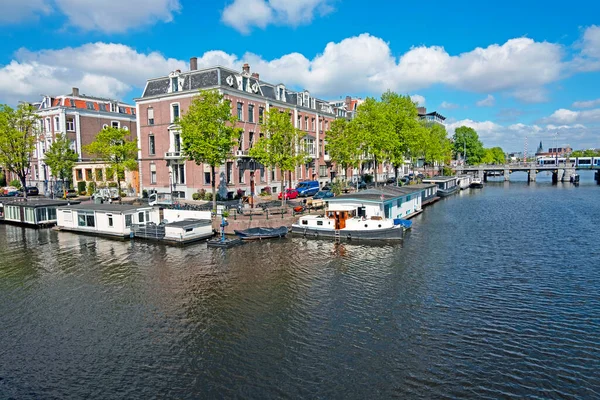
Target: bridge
561 172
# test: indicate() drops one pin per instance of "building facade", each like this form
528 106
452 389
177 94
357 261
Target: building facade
80 117
162 165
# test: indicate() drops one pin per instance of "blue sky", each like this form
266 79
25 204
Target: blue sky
523 69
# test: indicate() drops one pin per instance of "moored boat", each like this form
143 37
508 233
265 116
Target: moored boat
447 185
476 183
463 181
262 233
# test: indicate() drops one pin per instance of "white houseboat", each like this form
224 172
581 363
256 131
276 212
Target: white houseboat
447 185
373 214
32 212
463 181
114 220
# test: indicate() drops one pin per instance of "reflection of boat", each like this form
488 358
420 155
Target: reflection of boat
476 183
262 233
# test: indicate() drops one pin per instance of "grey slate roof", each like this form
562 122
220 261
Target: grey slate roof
115 208
374 194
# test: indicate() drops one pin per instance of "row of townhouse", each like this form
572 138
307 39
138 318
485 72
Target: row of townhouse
153 120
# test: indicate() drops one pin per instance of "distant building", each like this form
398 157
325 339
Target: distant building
433 117
346 108
80 117
540 149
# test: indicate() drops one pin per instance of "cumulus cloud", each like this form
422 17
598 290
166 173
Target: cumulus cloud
448 106
108 16
586 104
565 116
489 101
417 98
17 11
243 15
101 69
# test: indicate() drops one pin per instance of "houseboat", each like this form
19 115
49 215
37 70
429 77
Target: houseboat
372 214
428 193
463 181
476 183
177 232
32 212
113 220
447 185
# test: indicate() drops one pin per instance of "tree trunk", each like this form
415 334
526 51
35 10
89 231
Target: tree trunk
214 191
375 171
396 174
282 188
23 184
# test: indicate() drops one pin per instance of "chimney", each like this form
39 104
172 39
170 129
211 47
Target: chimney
246 68
193 63
75 91
256 76
348 101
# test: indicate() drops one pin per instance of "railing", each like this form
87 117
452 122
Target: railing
149 231
173 154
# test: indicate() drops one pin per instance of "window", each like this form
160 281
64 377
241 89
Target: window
322 170
280 93
148 215
207 178
273 176
79 174
250 113
122 110
229 173
176 142
47 125
29 215
115 124
56 124
261 112
89 105
103 107
110 220
99 175
128 220
240 112
51 214
140 217
88 174
153 177
72 102
125 128
174 84
250 139
245 84
41 214
179 173
313 124
150 116
306 123
319 222
151 145
174 112
86 219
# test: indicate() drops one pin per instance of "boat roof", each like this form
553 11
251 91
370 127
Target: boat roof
34 202
439 179
188 223
384 193
115 208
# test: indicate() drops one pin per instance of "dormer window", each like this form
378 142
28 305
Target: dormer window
245 84
280 93
306 98
174 84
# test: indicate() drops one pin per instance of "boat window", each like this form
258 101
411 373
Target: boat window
319 222
86 219
110 220
127 221
366 226
189 229
51 214
42 214
304 222
141 217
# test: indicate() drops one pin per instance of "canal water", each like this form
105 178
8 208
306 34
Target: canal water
495 293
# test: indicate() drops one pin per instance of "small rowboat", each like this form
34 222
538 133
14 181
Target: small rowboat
262 233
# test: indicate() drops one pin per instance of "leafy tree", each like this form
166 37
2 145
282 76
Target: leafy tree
61 158
494 155
281 145
436 146
342 144
208 133
112 145
19 131
585 153
465 136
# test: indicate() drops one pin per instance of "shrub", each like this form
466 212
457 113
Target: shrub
112 184
145 194
202 193
195 196
15 183
91 187
208 196
266 191
81 187
368 178
122 194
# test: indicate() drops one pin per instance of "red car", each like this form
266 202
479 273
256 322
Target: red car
289 194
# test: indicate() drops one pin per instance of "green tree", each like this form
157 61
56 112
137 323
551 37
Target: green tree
61 158
208 133
113 146
281 145
342 145
466 137
436 146
19 130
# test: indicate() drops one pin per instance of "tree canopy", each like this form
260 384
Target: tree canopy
208 132
585 153
494 155
281 145
113 146
466 137
342 145
19 130
61 158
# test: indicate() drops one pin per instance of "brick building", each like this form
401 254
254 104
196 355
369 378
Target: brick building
80 117
164 168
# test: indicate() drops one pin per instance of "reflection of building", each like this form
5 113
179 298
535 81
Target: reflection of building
163 166
80 117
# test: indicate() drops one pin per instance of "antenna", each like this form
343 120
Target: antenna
525 151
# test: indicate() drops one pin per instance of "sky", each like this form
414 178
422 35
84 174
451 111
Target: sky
519 72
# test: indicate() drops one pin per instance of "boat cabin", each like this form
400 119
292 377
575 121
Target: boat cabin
177 232
445 183
428 192
104 219
31 211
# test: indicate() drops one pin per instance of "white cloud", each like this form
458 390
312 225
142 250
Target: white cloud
591 42
586 104
17 11
531 95
101 69
489 101
564 116
448 106
417 98
243 15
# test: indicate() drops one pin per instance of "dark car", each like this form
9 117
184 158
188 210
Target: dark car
323 194
30 190
327 186
390 181
362 185
71 193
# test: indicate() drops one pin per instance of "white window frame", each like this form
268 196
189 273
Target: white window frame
118 123
172 113
56 124
150 116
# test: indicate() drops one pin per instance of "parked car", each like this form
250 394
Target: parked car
390 181
326 186
307 188
362 185
10 191
323 194
290 194
30 190
71 193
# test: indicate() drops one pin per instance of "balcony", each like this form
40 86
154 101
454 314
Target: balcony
173 155
242 153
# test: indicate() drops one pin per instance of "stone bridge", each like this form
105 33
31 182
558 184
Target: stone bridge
561 172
